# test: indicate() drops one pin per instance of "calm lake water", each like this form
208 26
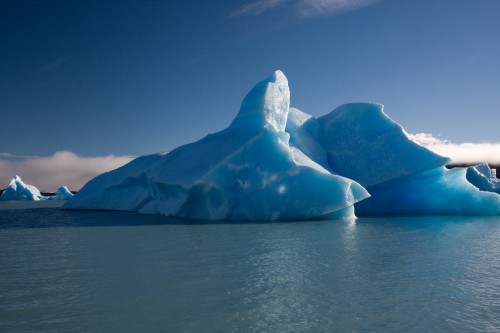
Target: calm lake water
71 271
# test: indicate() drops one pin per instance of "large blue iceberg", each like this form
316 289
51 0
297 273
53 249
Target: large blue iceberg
278 163
249 171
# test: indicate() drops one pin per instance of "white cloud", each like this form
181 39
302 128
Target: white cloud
303 8
313 8
257 7
460 153
62 168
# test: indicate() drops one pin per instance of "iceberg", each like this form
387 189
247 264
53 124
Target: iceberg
275 162
62 193
248 171
483 178
18 190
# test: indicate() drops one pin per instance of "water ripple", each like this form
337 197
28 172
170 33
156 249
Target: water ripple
62 271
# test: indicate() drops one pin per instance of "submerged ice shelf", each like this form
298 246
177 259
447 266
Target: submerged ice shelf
278 163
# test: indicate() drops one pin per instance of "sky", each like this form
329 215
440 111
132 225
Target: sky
104 81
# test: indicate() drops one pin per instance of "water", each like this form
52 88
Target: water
70 271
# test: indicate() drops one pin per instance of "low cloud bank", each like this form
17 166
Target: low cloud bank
62 168
460 153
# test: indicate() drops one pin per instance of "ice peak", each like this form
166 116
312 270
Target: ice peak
16 180
266 105
278 76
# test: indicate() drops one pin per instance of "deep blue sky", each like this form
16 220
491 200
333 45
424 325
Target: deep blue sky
138 77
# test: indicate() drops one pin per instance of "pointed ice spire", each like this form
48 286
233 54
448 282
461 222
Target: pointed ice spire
266 105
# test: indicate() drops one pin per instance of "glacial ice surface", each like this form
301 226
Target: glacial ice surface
249 171
18 190
278 163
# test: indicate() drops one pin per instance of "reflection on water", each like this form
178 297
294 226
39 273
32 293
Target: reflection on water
62 271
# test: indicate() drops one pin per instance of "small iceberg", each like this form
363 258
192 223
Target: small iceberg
62 193
18 190
483 178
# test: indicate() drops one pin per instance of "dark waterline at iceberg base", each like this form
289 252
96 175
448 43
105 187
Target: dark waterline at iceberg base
82 271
